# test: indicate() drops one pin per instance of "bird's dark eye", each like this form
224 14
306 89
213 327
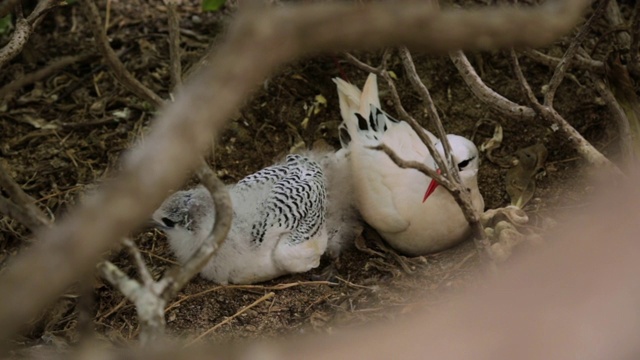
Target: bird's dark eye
168 222
465 163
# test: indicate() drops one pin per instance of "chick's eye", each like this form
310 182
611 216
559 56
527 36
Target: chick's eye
168 222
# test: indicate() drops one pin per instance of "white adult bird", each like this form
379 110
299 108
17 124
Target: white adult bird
407 208
279 223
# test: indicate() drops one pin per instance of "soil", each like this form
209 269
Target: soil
62 135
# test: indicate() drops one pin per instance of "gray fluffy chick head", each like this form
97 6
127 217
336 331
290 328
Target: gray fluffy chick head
187 218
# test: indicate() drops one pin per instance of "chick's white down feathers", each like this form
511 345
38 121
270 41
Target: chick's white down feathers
284 218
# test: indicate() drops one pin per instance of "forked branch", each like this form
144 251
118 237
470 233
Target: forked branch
151 297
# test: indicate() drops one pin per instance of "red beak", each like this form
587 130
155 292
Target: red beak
431 188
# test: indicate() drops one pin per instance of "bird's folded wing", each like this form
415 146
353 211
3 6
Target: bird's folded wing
296 202
375 195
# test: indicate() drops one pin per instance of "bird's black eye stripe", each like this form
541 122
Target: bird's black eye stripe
464 163
168 222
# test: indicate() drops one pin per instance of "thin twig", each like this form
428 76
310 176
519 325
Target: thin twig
584 147
150 297
522 81
624 131
418 85
175 68
179 276
402 112
14 211
461 195
90 10
230 318
40 74
20 205
552 62
409 164
145 275
568 56
277 287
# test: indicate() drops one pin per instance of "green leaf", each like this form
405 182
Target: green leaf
5 24
212 5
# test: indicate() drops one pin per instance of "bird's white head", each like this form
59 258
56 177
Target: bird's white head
187 218
465 157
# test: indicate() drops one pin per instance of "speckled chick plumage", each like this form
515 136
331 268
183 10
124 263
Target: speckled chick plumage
279 223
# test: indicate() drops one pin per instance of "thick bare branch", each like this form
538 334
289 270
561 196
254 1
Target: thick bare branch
90 11
183 131
19 38
485 93
19 205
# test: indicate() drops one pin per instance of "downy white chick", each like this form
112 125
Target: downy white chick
279 221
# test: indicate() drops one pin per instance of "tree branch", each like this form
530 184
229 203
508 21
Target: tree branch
91 13
579 62
151 297
461 195
23 30
582 146
175 68
46 71
19 205
496 101
567 59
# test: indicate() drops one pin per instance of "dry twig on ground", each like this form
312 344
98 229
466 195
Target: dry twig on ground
90 11
19 205
24 29
42 73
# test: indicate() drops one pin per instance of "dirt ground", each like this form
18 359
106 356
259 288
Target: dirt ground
64 134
